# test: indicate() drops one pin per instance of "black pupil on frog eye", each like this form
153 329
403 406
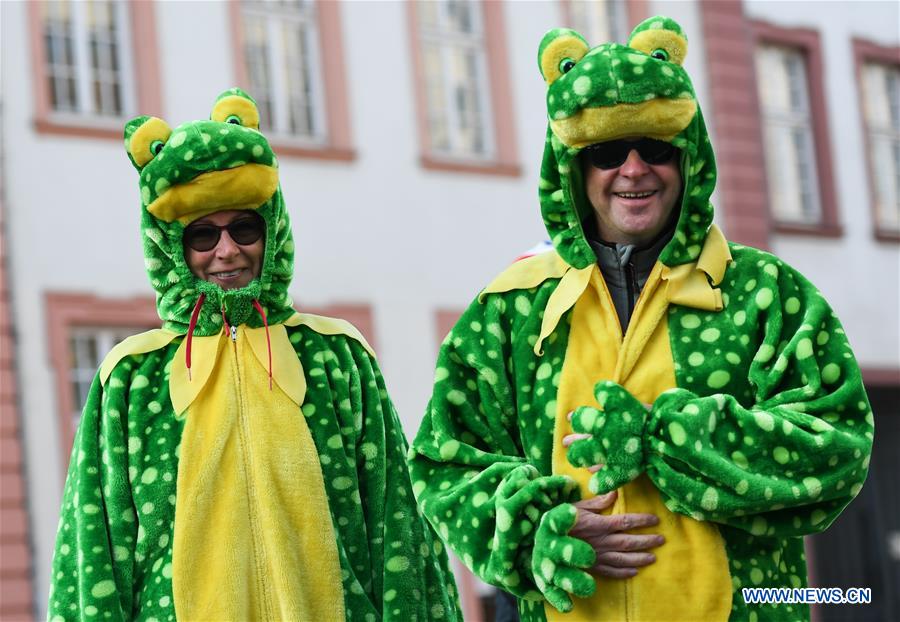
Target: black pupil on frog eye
567 65
234 120
156 148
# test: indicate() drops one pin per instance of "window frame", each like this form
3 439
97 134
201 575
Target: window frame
68 311
327 64
139 49
808 43
866 51
500 111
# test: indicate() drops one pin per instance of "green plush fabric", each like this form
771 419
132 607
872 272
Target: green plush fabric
767 435
113 557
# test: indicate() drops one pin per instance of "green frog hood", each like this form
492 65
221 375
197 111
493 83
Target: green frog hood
198 168
615 91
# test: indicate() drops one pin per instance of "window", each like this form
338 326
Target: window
289 58
794 130
86 54
878 69
462 80
456 82
280 49
87 348
788 138
81 330
87 57
599 21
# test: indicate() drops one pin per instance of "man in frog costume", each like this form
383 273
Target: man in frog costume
244 462
731 409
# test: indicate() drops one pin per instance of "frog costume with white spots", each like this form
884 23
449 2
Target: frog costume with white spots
244 462
759 430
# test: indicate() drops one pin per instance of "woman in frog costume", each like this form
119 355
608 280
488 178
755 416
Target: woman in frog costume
756 429
244 462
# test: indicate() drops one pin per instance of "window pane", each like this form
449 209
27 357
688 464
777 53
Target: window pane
456 88
256 56
281 60
790 148
881 86
600 21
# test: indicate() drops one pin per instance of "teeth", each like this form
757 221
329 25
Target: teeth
634 195
226 274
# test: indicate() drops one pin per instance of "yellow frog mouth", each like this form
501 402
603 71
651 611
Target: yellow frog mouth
662 119
244 187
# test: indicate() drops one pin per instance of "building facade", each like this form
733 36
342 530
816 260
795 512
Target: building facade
409 137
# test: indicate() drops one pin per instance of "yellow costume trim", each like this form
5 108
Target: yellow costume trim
642 363
287 371
691 285
244 187
329 326
527 273
136 344
244 540
569 290
662 119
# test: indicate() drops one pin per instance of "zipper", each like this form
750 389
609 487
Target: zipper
630 285
259 550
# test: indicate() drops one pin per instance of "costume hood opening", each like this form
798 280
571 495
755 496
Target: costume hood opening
199 168
617 91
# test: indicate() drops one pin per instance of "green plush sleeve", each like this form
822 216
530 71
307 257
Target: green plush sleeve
771 431
474 481
410 579
393 566
92 563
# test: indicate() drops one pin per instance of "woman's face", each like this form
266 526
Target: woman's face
232 243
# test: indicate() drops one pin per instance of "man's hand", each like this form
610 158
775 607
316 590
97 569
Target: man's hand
619 554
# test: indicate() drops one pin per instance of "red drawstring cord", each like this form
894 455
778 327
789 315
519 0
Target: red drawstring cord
268 342
196 314
190 335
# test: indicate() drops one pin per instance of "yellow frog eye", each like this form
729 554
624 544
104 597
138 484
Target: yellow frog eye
237 110
559 52
148 140
662 44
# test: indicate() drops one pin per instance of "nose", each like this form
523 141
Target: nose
226 248
633 166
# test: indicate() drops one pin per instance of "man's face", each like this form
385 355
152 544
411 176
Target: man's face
228 263
632 202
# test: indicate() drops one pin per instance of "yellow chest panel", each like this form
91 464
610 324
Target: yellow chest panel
253 535
689 579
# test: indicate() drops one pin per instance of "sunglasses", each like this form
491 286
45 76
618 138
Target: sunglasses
205 236
612 154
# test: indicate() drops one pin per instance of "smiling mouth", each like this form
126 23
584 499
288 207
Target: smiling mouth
230 274
635 195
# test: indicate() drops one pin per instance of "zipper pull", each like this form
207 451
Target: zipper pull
234 333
